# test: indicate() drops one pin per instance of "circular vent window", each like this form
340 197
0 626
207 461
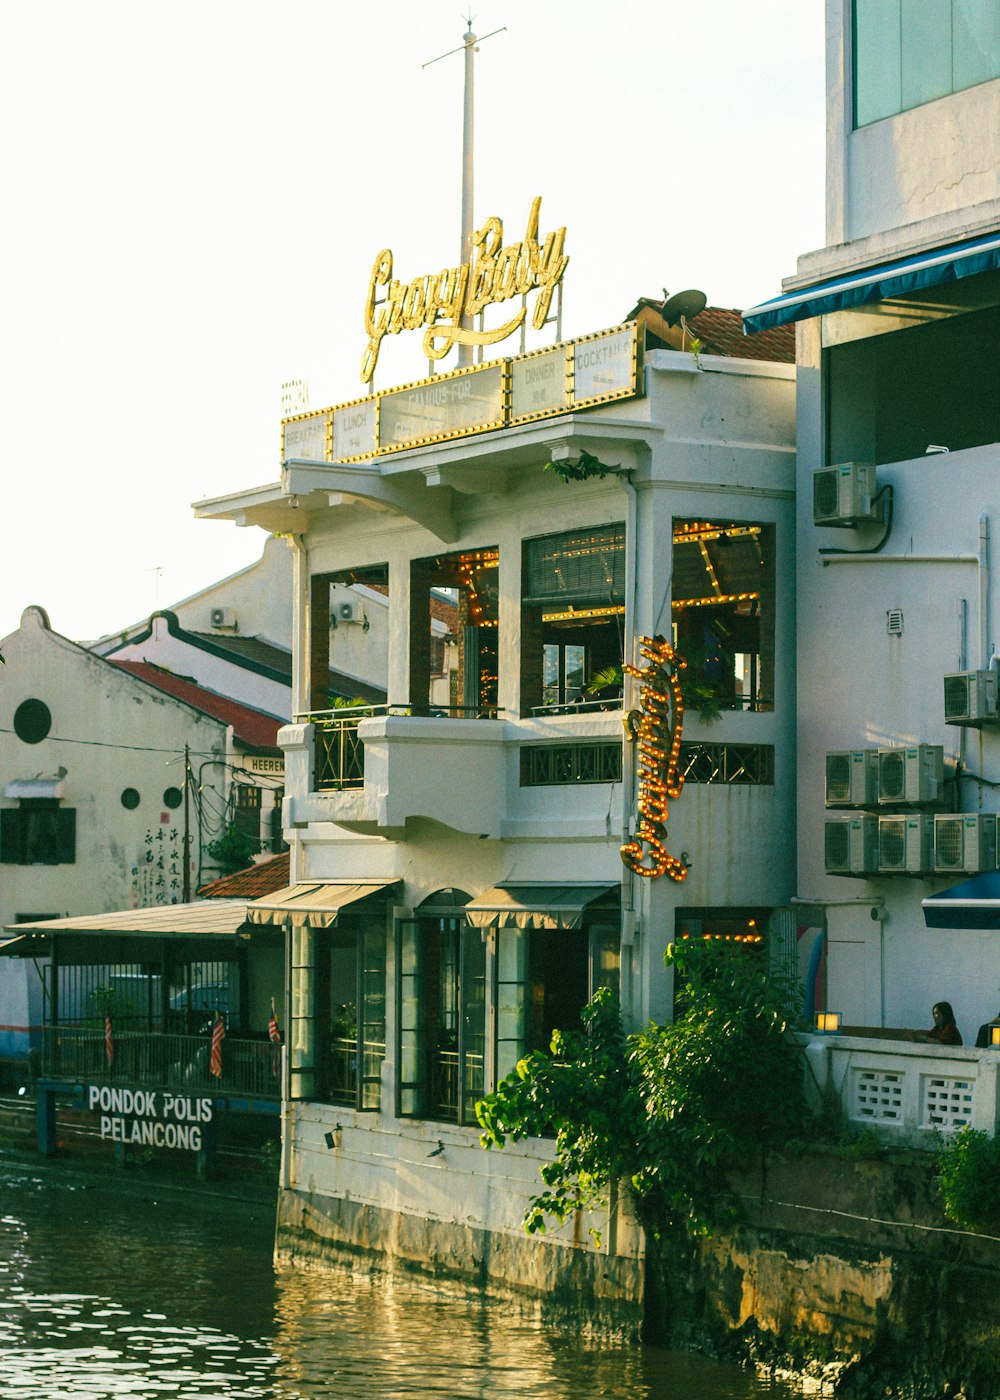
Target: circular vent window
130 798
32 721
172 797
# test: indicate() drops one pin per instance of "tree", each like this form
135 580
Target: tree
670 1110
233 850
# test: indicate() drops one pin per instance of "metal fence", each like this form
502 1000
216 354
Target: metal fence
727 763
162 1061
557 765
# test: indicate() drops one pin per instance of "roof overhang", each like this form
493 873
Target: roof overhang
878 282
540 905
973 904
317 904
201 918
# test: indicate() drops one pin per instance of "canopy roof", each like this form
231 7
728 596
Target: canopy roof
539 905
878 283
311 902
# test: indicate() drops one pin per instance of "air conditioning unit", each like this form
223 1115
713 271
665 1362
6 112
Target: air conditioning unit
844 494
970 697
347 611
223 617
965 843
911 777
852 778
850 845
906 844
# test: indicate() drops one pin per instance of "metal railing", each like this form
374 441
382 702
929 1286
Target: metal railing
562 765
162 1061
342 1085
339 750
751 764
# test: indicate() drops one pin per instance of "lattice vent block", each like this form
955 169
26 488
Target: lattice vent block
945 1103
877 1095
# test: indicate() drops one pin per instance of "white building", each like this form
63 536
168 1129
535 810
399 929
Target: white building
898 502
93 815
235 637
457 883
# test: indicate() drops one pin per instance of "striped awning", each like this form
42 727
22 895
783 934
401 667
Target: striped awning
878 283
540 906
314 903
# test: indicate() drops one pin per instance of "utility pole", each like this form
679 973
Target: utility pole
468 47
186 868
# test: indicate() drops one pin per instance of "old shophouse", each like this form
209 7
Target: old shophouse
457 887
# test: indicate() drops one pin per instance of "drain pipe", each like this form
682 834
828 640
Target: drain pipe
629 912
984 589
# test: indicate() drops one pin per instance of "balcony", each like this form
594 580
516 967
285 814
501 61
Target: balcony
250 1068
908 1093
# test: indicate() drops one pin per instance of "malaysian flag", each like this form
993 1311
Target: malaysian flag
274 1035
218 1033
109 1046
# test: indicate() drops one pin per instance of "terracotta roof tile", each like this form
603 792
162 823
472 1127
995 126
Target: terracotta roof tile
252 727
720 329
266 877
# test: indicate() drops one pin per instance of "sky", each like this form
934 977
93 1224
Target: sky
194 194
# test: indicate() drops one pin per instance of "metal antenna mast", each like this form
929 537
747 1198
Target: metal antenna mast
468 47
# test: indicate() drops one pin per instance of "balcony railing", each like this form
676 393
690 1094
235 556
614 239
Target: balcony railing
250 1068
339 750
343 1072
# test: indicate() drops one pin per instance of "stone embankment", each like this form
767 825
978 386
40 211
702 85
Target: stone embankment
845 1272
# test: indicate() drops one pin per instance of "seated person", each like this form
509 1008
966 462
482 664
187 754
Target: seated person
944 1031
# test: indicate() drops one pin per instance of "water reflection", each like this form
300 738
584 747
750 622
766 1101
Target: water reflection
135 1294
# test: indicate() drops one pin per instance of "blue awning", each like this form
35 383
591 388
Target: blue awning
873 284
974 903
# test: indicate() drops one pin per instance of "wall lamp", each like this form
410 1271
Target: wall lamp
828 1022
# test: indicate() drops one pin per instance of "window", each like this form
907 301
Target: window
572 617
350 1012
723 604
544 979
246 813
908 52
38 832
32 721
442 1018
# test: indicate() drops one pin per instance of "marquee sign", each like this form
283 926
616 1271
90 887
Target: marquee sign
582 373
658 732
442 301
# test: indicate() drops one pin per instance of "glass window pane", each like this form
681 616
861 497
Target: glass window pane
877 60
576 660
373 1016
926 51
473 1020
550 674
511 1013
412 1080
976 35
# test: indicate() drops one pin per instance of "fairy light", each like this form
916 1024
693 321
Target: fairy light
658 736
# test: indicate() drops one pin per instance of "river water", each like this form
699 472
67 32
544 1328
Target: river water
132 1291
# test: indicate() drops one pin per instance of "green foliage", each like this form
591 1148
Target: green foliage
586 1093
968 1179
233 851
670 1111
580 468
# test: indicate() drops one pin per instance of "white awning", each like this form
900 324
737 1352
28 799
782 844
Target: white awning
540 906
316 904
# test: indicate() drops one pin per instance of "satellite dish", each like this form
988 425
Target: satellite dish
683 306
